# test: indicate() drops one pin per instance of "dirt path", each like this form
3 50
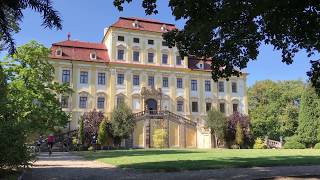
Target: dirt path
63 165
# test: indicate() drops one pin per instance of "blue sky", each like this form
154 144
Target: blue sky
85 20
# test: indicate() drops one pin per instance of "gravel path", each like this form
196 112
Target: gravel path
63 165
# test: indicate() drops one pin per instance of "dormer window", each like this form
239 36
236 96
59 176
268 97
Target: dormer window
164 28
201 65
135 24
59 52
93 56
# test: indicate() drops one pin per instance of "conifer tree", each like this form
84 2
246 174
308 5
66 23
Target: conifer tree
309 117
81 132
239 134
102 133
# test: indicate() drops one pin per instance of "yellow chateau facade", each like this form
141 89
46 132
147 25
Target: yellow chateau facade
133 64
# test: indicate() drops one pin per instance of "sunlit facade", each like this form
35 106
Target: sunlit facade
134 65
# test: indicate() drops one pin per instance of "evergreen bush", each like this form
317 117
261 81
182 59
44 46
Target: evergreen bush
259 144
159 138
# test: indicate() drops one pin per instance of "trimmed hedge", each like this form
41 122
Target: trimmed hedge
317 146
294 145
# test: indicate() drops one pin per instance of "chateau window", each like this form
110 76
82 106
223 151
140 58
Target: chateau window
179 83
164 58
120 38
120 79
208 106
120 54
235 107
180 106
100 102
234 87
93 56
83 77
59 52
150 41
164 43
136 40
207 85
66 76
222 107
150 57
178 60
194 85
165 82
151 81
64 101
120 100
101 78
136 56
83 102
221 86
136 80
135 103
194 106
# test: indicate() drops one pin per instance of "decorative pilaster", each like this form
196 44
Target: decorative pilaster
112 89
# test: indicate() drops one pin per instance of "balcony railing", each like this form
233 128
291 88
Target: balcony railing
154 114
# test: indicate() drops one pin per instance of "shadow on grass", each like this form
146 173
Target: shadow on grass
130 153
179 165
92 173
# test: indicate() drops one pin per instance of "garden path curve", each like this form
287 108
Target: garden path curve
64 165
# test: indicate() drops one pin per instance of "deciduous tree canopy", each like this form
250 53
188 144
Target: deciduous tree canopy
231 31
32 97
274 107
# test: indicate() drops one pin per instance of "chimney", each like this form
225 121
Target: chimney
69 35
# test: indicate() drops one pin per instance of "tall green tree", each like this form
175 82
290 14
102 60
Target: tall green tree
217 123
11 14
239 135
31 93
309 117
3 92
231 31
122 121
81 137
102 133
274 107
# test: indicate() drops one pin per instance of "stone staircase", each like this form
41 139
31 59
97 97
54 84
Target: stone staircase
164 117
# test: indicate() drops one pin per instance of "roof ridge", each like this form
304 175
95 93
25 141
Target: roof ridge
147 20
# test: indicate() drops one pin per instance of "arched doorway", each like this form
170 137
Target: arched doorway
151 105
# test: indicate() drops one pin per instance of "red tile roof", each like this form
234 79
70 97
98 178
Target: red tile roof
144 24
81 44
80 51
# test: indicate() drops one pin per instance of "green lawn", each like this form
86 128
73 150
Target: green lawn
191 159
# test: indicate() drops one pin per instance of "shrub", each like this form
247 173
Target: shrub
13 150
259 144
294 145
159 137
317 146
